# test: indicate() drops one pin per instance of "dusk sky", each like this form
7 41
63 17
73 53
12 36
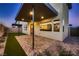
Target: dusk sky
8 13
74 15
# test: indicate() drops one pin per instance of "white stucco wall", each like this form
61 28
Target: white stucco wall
50 34
24 26
63 14
66 22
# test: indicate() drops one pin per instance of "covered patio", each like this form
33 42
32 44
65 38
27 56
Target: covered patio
32 13
34 41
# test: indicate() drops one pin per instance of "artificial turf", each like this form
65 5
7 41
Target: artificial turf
12 46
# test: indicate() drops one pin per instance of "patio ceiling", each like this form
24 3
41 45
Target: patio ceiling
40 9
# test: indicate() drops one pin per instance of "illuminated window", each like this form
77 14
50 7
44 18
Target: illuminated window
46 27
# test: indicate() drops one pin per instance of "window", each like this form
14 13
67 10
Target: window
56 25
46 27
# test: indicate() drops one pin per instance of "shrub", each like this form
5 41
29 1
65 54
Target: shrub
63 52
45 53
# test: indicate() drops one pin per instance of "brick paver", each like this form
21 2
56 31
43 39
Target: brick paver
42 44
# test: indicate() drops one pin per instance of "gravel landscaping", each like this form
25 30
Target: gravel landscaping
2 45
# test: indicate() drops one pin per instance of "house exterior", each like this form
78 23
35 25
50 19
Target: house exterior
23 27
53 22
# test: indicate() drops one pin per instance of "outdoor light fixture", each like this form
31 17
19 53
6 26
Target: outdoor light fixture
31 13
22 19
42 17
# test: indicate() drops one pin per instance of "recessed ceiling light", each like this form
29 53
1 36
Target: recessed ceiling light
31 13
42 17
22 19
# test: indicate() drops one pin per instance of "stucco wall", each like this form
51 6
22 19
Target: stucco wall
63 14
49 34
65 18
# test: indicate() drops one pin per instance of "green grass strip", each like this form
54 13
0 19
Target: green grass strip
12 46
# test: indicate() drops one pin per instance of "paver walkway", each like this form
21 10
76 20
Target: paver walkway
42 44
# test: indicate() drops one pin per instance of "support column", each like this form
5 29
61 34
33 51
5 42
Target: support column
33 29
